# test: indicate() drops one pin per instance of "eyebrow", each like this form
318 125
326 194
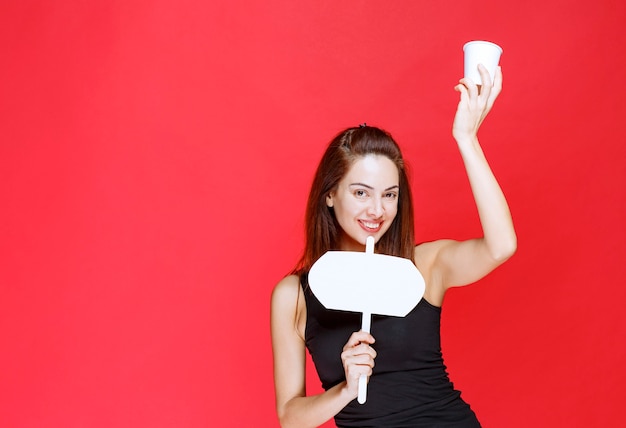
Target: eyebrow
371 188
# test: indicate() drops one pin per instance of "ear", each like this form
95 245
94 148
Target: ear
329 200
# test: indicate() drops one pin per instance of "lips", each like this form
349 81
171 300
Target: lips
371 226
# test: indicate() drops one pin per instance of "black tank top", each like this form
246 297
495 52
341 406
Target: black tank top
409 386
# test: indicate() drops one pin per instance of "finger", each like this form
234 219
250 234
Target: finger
360 359
462 89
497 88
355 371
497 81
359 337
484 75
472 88
362 350
360 354
487 84
366 337
467 82
358 366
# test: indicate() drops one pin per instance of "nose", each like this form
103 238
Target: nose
376 208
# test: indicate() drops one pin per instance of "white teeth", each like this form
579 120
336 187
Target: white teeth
371 225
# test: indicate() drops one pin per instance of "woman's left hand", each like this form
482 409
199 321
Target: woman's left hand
475 103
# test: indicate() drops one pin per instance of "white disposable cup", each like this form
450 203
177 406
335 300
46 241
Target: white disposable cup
480 52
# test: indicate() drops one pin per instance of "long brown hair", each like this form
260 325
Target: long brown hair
321 227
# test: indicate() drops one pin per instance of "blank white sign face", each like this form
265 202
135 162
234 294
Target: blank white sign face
366 282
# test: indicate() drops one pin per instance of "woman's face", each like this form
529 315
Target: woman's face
365 200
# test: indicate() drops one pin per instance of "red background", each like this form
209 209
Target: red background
155 158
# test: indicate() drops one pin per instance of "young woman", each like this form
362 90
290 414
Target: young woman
361 189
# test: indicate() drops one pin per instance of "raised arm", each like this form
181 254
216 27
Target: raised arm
453 263
294 408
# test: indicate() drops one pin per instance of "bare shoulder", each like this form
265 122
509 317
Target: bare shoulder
425 254
286 290
288 310
425 257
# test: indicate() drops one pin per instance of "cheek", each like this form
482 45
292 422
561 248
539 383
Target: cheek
340 212
392 210
347 207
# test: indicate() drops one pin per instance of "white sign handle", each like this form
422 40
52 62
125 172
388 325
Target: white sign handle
365 326
366 323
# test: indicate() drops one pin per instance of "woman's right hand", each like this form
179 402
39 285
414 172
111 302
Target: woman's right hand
358 359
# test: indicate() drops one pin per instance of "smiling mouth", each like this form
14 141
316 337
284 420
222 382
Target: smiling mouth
371 226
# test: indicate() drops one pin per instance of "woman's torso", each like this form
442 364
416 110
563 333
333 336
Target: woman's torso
410 386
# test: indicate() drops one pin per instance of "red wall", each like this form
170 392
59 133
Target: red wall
154 162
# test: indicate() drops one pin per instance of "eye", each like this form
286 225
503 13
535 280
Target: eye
360 193
391 196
